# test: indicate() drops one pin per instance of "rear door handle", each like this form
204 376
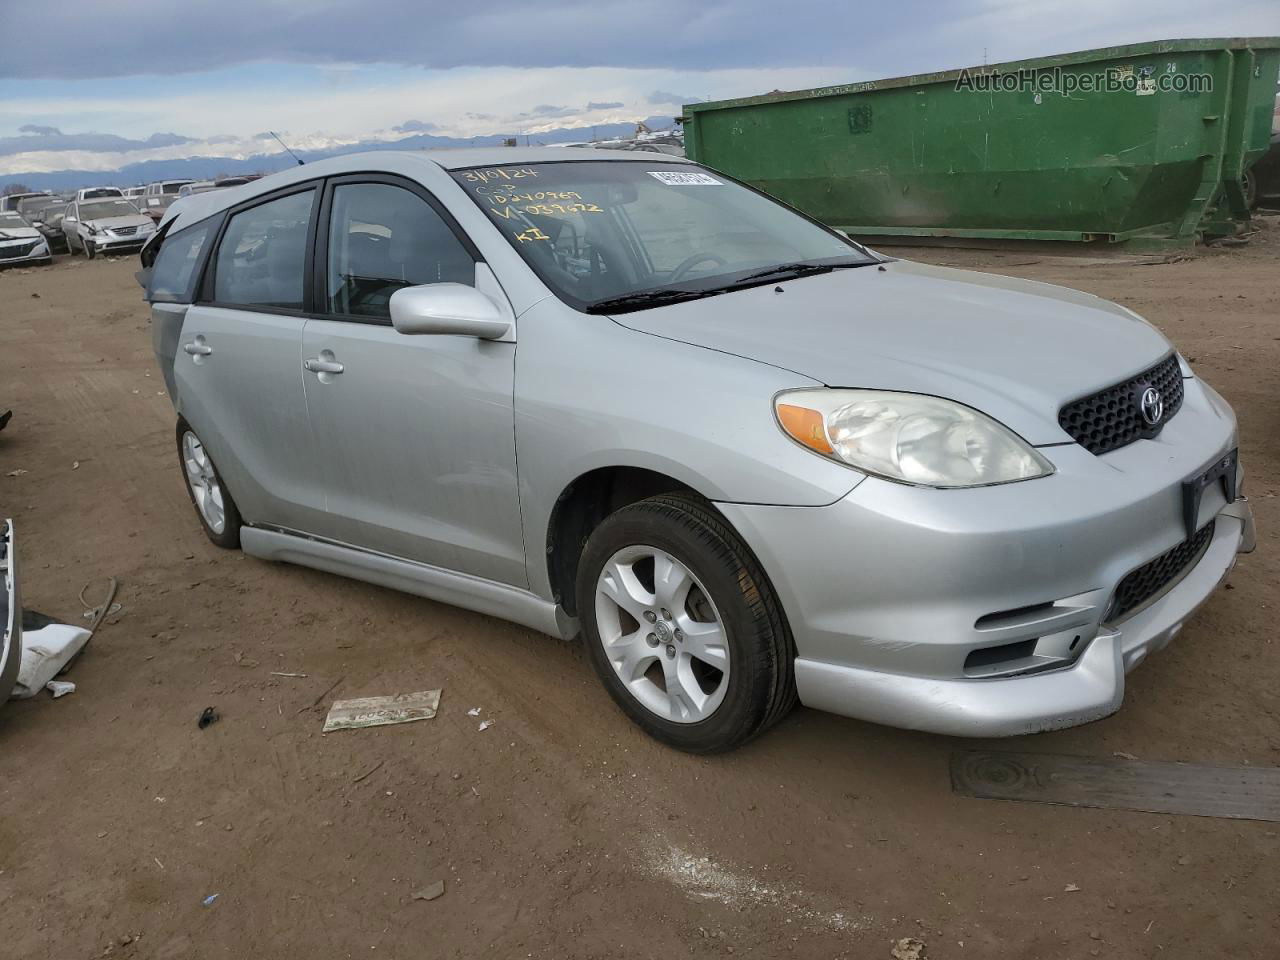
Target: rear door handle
318 365
198 348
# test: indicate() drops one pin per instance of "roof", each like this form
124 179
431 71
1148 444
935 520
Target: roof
200 205
504 156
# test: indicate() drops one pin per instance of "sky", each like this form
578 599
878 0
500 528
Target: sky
99 84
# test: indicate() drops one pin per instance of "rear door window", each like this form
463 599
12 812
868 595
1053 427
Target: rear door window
173 275
261 261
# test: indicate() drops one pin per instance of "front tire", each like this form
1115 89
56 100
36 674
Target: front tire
683 627
209 495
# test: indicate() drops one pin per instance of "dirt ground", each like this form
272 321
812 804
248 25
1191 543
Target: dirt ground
561 831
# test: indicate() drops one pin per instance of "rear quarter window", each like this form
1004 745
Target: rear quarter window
176 267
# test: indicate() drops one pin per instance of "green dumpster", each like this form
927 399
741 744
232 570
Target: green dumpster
1145 145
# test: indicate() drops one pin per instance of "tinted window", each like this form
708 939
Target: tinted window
263 252
382 238
174 271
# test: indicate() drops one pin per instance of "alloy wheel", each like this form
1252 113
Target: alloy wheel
203 481
662 634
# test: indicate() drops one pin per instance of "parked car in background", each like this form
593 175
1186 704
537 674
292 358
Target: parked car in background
157 196
9 204
111 225
21 243
133 193
47 218
750 460
98 193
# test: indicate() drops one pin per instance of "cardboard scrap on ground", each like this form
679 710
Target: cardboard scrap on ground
381 711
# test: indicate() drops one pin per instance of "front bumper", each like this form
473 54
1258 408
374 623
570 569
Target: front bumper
891 590
25 253
111 244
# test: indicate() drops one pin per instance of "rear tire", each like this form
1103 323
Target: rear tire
209 495
683 627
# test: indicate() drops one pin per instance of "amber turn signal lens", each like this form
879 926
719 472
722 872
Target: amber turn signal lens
805 425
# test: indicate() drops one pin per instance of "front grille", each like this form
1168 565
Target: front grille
1112 418
12 251
1150 578
124 231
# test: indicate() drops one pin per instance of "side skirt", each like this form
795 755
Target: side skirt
435 583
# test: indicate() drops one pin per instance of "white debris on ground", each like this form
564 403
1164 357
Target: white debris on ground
701 878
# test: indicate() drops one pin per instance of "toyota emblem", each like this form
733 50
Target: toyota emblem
1152 406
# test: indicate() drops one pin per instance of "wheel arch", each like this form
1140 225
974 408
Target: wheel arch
583 504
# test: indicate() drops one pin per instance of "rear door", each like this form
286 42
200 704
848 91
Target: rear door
415 433
238 367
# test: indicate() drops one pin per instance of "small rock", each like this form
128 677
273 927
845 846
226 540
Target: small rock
1071 888
432 892
908 948
1184 860
1095 935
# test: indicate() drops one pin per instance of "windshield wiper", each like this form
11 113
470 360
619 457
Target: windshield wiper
645 298
791 271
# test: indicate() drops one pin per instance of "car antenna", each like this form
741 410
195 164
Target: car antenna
286 146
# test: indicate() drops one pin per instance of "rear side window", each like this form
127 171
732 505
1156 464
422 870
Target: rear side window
173 275
262 257
383 238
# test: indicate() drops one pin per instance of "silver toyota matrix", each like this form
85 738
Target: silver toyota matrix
750 461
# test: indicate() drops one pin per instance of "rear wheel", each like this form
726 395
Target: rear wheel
209 495
683 627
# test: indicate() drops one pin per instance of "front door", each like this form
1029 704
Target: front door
415 434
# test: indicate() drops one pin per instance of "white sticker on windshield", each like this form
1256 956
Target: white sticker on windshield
672 179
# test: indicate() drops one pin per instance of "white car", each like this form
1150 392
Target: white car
21 243
113 225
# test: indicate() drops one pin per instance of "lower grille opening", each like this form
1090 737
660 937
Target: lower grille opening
981 660
1145 584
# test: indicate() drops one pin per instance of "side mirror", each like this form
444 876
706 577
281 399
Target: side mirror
447 308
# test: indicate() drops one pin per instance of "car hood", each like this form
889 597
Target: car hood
126 220
18 233
1015 349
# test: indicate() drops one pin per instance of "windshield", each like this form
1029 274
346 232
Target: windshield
106 208
98 192
601 231
173 186
10 220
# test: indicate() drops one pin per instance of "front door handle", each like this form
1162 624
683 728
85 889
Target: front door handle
322 365
198 348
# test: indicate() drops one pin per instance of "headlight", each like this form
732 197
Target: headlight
908 437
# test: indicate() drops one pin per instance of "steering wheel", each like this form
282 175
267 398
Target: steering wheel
690 262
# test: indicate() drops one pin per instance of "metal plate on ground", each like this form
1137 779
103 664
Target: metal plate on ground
1237 793
381 711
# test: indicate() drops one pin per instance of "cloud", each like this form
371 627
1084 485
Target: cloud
610 105
415 126
41 138
664 96
908 36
